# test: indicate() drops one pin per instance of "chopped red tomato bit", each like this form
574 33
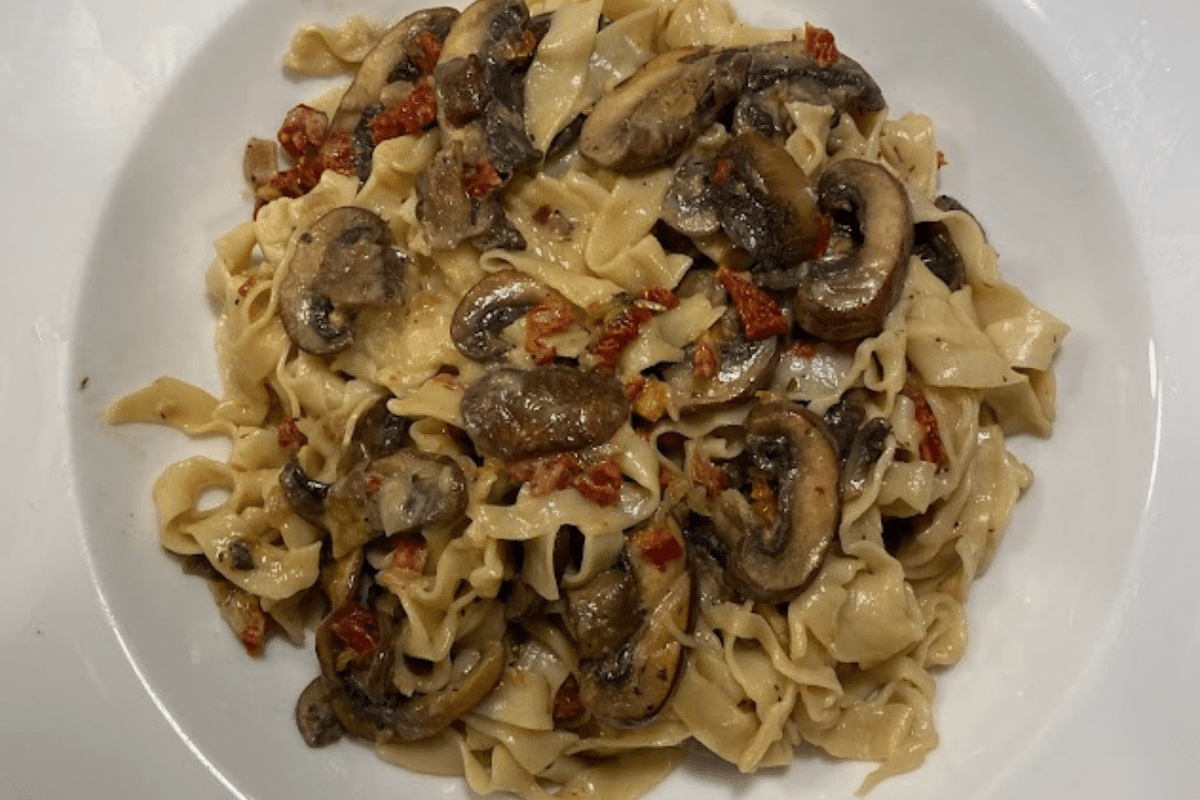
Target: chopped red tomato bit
547 474
804 349
425 51
303 129
290 435
620 333
760 314
409 555
660 295
374 484
357 628
481 179
568 705
931 448
941 159
722 170
413 114
824 234
820 44
550 316
337 154
658 546
245 288
705 359
707 474
601 482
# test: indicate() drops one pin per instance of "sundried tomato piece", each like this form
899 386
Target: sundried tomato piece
357 628
337 154
290 435
303 129
547 474
620 333
481 179
760 314
705 361
820 44
425 51
413 114
552 315
660 295
568 705
708 475
409 555
931 448
658 546
600 483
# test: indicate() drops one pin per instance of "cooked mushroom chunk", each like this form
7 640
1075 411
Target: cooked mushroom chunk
662 108
305 495
864 451
626 623
356 650
514 413
343 263
844 84
772 559
848 294
401 493
318 723
690 205
742 368
490 306
766 202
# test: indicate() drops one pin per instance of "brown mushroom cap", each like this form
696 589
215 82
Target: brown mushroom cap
514 413
848 295
627 623
343 263
662 108
772 561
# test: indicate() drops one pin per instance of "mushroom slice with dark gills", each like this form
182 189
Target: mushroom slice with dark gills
785 72
627 622
490 306
933 244
355 692
656 113
513 413
742 368
344 262
766 203
401 493
848 293
775 549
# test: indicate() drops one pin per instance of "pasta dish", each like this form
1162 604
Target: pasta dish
604 379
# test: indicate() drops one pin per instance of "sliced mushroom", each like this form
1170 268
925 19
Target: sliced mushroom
662 108
343 263
773 559
390 60
766 203
690 205
305 495
627 623
514 413
490 306
848 294
844 84
401 493
356 650
318 722
743 368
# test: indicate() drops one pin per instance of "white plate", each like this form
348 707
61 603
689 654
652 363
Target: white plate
1066 125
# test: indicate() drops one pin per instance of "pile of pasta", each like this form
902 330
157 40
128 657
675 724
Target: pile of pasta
847 665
